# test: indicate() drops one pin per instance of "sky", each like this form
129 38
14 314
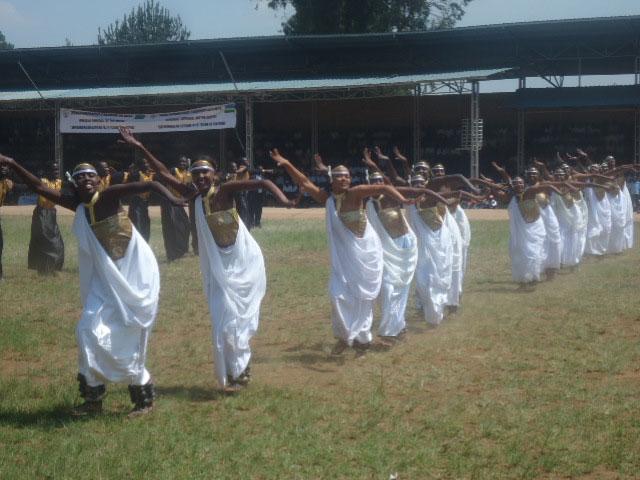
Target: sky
40 23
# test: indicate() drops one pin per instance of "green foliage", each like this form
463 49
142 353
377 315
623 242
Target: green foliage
317 17
150 23
4 45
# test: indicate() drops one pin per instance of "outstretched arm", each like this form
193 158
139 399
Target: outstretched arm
359 193
36 185
455 180
116 192
161 170
228 189
412 192
300 178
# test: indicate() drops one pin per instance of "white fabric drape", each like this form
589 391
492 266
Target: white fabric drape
457 261
552 248
628 228
465 232
599 223
618 222
571 222
526 241
400 257
120 301
582 226
356 277
234 282
433 273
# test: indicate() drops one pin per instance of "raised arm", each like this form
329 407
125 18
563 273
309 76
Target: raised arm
395 178
161 170
544 171
584 155
300 178
579 164
503 173
36 185
403 160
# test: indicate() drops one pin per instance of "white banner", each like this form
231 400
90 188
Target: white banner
205 118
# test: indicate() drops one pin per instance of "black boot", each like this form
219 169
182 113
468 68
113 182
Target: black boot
93 398
142 397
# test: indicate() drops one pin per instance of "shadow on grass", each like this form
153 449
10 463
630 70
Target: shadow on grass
194 394
59 417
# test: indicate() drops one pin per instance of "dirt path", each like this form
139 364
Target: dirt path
269 213
272 213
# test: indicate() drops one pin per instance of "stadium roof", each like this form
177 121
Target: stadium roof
576 96
246 87
597 46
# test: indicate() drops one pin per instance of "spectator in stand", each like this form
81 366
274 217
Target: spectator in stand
634 188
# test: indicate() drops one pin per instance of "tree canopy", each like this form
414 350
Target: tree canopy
149 23
4 45
368 16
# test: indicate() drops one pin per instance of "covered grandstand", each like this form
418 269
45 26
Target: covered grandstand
337 93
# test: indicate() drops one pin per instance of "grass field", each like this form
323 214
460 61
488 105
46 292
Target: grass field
542 384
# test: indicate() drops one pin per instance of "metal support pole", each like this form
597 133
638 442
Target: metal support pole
637 72
474 150
580 72
222 148
314 127
521 136
58 142
636 137
416 124
248 99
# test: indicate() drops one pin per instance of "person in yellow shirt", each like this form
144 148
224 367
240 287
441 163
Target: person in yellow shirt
46 247
6 186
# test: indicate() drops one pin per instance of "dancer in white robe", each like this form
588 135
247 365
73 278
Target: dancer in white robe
355 251
231 262
400 256
619 173
598 222
119 282
527 230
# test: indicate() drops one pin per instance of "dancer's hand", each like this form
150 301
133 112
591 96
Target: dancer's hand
581 152
413 201
8 161
379 154
399 156
279 159
320 166
128 138
366 159
497 167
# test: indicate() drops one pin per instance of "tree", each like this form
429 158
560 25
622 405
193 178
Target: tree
4 45
150 23
318 17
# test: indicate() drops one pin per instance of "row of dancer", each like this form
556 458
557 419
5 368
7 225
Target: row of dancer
555 219
120 281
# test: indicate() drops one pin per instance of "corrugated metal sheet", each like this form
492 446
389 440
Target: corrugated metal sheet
247 87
